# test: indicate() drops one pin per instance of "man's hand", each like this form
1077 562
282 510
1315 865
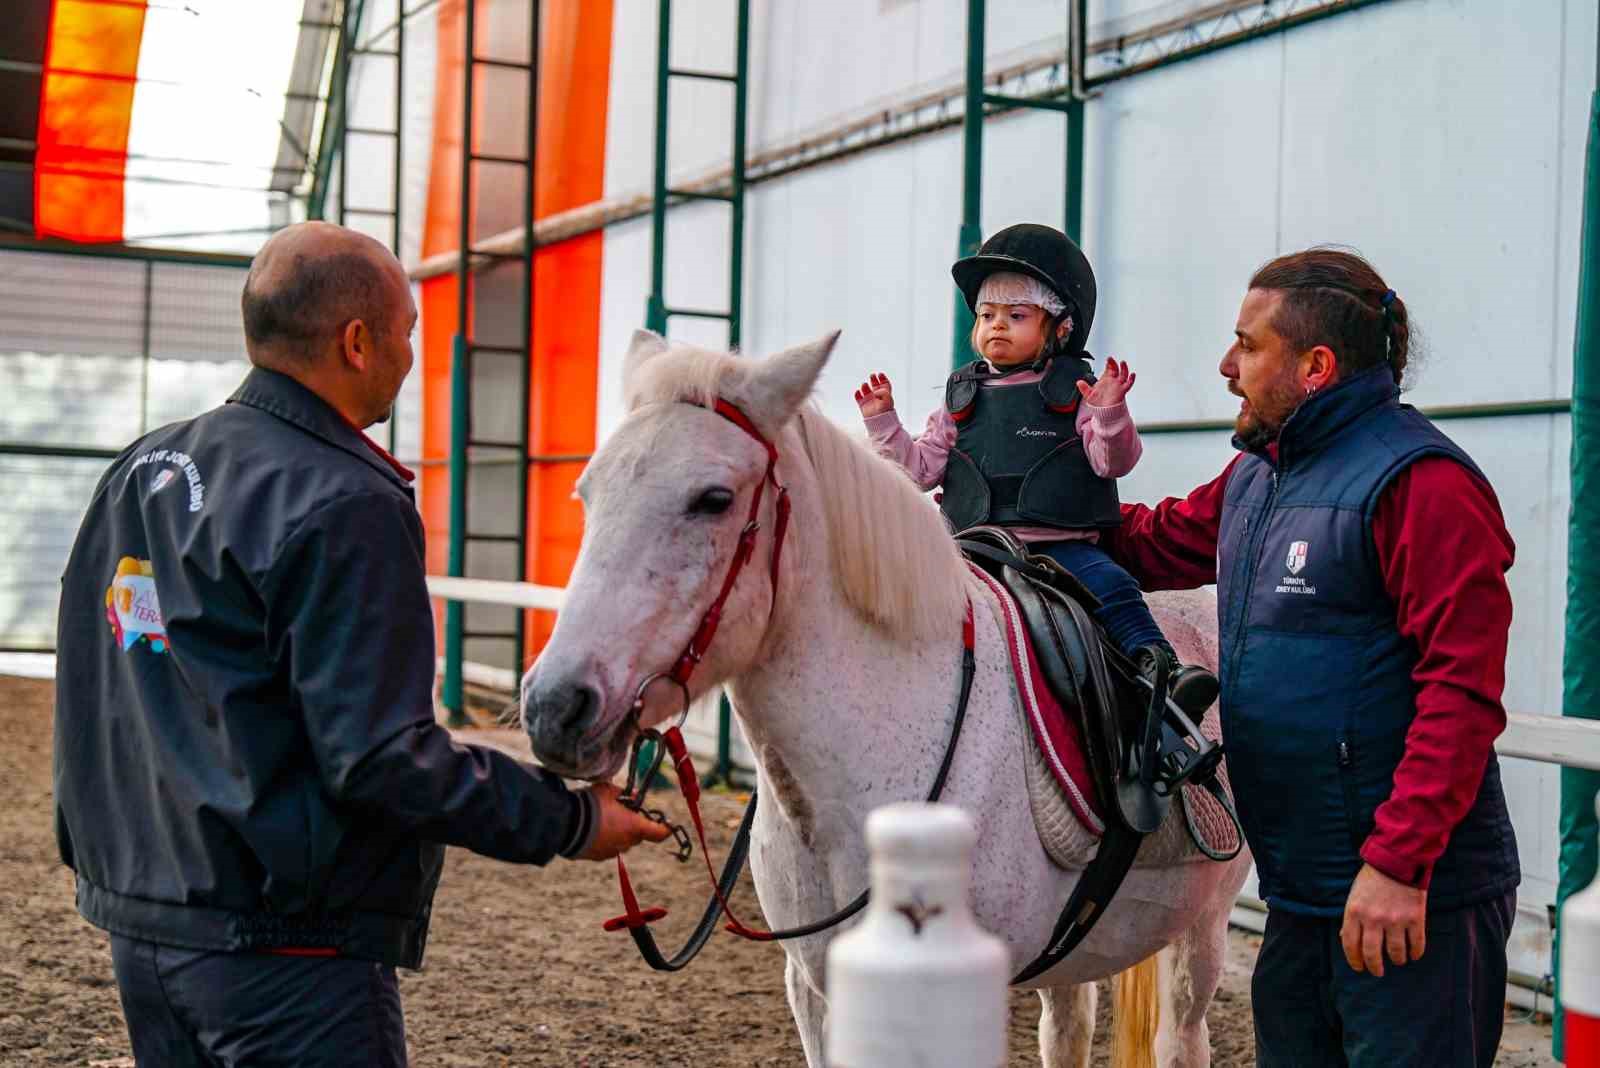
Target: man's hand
618 828
1111 387
1383 914
875 396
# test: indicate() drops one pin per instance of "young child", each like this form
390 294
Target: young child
1028 439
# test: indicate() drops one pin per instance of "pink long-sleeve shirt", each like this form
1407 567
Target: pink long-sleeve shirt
1110 440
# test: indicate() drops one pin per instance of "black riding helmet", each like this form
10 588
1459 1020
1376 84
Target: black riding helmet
1043 253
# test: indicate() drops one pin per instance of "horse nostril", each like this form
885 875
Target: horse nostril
571 706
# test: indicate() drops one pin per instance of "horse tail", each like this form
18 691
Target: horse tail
1135 1013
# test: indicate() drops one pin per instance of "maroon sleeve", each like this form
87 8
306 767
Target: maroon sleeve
1173 546
1444 551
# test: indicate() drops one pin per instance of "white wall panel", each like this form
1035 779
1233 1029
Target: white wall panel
1435 151
1577 83
1180 206
1444 138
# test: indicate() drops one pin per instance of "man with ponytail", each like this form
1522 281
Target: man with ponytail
1360 559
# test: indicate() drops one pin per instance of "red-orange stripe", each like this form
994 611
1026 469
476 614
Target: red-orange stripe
574 90
575 78
85 109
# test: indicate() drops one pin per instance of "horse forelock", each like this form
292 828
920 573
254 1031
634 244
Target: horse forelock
684 373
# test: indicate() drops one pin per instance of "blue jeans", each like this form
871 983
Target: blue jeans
187 1008
1122 613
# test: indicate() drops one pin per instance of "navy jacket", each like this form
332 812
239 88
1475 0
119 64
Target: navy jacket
1317 691
246 755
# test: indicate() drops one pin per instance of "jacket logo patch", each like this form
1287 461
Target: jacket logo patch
132 608
182 462
1295 562
1030 432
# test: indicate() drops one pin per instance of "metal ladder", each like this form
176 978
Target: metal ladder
348 55
978 103
465 445
657 310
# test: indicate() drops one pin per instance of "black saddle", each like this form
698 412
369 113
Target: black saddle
1141 748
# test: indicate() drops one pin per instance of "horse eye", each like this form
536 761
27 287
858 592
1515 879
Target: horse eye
713 501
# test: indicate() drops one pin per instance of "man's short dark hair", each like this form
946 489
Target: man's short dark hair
306 305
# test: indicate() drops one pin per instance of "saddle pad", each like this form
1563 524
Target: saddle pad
1210 825
1057 769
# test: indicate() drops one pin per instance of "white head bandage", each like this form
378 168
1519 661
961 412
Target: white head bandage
1011 287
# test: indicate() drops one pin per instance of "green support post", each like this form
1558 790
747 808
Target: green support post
1077 24
971 233
723 771
1581 660
655 313
451 694
656 310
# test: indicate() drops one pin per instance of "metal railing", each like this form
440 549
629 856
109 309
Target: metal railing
1570 742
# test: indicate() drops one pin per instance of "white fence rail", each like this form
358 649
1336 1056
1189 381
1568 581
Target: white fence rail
1550 739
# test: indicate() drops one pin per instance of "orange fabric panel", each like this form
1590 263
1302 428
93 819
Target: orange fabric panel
86 105
574 86
438 329
574 90
443 217
441 221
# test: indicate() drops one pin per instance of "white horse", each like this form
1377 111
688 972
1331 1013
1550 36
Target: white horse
844 677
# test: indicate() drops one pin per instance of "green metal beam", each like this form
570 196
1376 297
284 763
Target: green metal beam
57 452
1581 659
722 771
970 236
335 116
1226 41
655 313
11 243
1501 410
1077 44
450 695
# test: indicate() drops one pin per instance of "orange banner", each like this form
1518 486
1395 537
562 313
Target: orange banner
86 104
574 87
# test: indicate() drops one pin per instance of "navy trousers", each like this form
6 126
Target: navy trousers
1312 1010
1122 613
192 1009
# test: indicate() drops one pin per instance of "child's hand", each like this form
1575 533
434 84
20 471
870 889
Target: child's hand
876 396
1111 387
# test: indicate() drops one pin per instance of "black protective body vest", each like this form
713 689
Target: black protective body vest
1017 458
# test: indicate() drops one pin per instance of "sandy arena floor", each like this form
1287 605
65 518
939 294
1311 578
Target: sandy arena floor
518 971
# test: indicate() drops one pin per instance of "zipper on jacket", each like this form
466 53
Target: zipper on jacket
1252 554
1347 786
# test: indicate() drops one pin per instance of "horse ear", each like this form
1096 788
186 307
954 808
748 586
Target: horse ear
643 346
781 383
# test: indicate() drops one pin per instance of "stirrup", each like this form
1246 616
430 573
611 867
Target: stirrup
1178 753
1174 750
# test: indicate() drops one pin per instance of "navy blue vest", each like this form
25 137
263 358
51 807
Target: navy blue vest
1317 693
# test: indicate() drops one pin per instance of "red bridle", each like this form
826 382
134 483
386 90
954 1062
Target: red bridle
693 653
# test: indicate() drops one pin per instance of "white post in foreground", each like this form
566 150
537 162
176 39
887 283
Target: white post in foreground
918 982
1580 974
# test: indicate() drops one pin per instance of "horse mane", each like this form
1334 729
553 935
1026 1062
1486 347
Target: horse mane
892 560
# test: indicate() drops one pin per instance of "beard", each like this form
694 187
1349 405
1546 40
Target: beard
1259 423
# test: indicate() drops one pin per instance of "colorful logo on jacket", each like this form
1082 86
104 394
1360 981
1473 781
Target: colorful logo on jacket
1297 557
132 607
